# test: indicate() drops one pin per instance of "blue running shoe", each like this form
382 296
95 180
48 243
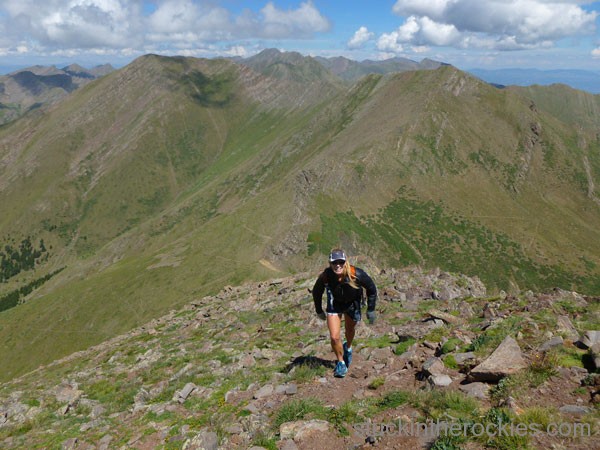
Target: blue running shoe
340 370
347 355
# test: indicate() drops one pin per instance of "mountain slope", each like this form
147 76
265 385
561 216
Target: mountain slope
172 177
31 88
252 366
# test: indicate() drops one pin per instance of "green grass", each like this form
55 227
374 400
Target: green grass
408 231
307 372
299 410
450 362
404 345
489 340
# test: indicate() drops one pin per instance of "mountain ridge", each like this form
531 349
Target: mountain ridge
147 198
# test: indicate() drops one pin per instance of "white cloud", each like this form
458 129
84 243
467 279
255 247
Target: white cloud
420 49
360 38
419 32
173 17
86 25
436 33
71 24
302 22
596 53
500 24
390 43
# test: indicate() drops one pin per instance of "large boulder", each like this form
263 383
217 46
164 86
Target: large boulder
507 359
590 338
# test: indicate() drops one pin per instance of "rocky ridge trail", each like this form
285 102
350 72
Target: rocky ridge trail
251 367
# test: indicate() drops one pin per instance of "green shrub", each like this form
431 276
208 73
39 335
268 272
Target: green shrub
377 383
450 362
450 345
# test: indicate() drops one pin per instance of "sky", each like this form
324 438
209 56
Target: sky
488 34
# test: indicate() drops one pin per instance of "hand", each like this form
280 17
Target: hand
371 316
322 315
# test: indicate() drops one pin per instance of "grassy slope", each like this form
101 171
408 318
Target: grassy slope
477 176
167 251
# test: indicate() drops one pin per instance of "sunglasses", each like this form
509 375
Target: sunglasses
338 262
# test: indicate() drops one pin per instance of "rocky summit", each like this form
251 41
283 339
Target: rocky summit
445 365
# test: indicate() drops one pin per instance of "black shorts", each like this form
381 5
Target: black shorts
333 307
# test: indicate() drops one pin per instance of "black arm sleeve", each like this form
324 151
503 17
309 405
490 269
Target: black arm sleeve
317 293
367 282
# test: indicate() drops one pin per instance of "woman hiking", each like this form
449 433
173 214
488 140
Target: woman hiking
344 284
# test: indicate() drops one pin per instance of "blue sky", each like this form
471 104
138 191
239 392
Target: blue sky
489 34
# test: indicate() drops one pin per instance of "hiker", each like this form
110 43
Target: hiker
344 285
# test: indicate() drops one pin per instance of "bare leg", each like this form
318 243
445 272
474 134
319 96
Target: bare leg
334 323
350 329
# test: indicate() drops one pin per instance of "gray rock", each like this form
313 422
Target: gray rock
590 338
507 359
489 312
301 429
465 310
410 357
235 428
291 389
565 326
247 361
265 391
430 345
477 390
230 395
288 444
69 394
182 395
462 358
253 408
574 410
70 444
434 366
104 442
556 341
441 380
205 440
380 354
446 317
